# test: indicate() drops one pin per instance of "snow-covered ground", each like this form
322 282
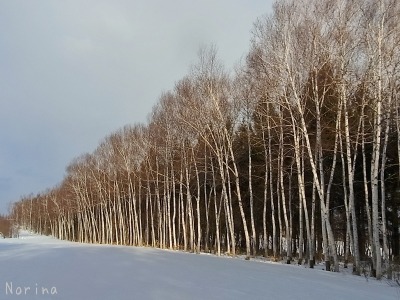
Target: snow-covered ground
34 267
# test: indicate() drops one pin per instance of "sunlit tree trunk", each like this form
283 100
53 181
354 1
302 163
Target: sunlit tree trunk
285 209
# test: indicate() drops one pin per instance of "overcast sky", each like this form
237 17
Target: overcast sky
72 72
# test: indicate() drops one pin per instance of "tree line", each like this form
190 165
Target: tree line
295 154
6 227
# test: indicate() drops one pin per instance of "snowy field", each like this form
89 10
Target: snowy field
34 267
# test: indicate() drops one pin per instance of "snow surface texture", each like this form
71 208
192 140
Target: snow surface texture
80 271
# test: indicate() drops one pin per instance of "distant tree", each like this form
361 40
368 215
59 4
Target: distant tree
6 227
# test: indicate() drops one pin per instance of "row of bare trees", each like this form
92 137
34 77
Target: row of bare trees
296 154
6 227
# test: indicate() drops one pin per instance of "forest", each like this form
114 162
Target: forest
293 155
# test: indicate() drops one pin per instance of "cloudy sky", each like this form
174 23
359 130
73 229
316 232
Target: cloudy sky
71 72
